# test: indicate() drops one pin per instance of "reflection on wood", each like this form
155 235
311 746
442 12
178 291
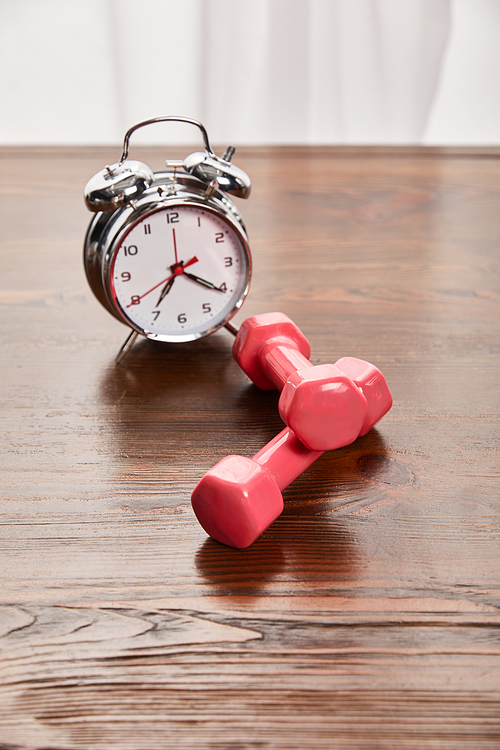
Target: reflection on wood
368 615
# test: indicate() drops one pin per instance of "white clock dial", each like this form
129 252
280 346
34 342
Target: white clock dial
179 273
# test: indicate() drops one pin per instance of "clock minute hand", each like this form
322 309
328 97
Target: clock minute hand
168 286
203 282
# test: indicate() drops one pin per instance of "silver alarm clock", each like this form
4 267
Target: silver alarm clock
167 252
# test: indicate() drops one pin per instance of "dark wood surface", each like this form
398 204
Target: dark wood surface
368 615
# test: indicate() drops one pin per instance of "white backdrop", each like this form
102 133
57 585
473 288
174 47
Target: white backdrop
254 71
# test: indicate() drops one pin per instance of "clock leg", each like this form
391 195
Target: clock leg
126 347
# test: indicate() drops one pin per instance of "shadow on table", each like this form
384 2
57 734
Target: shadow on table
195 390
310 541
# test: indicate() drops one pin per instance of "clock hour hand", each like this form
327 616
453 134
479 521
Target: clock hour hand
203 282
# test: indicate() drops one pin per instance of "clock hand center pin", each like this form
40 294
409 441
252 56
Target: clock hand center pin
177 270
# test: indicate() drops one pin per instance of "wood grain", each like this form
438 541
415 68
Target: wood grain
368 615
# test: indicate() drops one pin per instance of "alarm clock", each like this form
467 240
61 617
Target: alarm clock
167 252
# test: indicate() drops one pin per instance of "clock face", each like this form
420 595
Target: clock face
179 273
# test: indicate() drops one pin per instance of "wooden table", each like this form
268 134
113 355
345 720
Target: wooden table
368 615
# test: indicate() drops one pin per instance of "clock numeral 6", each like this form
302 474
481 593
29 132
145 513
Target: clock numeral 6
182 318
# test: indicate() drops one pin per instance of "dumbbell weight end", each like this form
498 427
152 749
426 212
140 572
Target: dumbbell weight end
327 406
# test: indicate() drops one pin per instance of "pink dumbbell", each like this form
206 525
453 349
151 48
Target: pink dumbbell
326 406
239 498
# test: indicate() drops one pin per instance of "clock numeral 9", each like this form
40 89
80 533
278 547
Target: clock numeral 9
125 276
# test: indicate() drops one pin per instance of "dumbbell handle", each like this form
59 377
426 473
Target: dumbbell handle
269 348
285 457
279 361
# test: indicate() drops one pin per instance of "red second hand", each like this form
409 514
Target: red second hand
194 259
175 245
